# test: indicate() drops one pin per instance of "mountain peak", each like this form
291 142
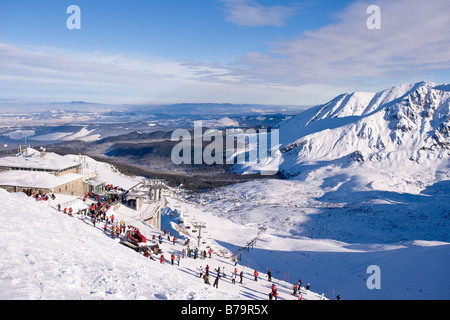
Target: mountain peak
402 124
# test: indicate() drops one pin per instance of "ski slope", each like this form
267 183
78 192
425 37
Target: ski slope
47 255
413 269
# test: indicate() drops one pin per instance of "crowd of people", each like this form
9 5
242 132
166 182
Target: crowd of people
206 273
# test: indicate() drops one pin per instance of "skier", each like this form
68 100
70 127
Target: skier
206 278
210 251
269 276
256 275
216 282
233 278
295 289
161 260
172 258
174 239
241 275
200 269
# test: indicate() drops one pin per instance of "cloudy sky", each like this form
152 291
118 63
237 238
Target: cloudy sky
301 52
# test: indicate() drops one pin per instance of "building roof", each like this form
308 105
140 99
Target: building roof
33 179
94 182
34 161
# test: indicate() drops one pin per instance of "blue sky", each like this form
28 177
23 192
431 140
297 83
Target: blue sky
239 51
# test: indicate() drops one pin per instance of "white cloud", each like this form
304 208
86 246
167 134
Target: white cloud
251 13
413 39
50 74
308 69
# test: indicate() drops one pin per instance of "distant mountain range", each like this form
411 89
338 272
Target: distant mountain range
43 123
199 109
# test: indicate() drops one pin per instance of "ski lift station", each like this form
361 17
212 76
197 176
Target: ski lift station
147 197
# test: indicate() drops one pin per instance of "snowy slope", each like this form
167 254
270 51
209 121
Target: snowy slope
48 255
413 269
63 257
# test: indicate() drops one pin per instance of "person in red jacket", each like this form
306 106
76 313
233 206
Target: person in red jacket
295 289
256 275
172 257
161 260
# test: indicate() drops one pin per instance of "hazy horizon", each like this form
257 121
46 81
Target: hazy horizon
217 51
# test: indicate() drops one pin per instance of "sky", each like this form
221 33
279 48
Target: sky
290 52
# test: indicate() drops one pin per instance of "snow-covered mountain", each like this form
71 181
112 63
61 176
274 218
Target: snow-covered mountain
367 169
400 127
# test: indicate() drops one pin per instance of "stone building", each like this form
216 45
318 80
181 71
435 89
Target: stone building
42 173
